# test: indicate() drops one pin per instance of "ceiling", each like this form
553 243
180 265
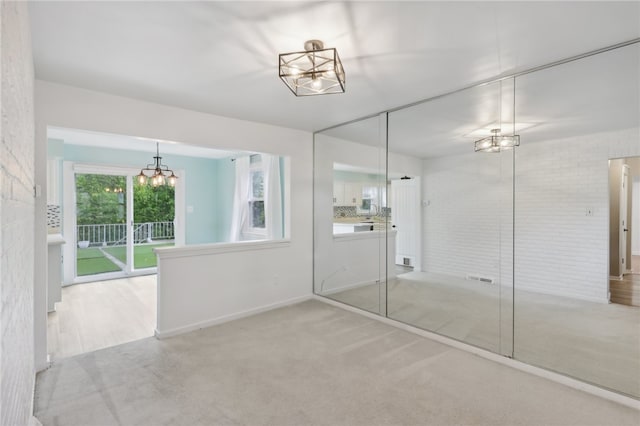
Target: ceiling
600 93
221 57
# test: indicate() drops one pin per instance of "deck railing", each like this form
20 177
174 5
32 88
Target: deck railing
113 234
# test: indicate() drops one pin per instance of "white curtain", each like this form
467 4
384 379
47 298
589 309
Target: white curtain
240 213
272 196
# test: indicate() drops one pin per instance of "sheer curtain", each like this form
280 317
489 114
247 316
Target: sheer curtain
240 213
272 196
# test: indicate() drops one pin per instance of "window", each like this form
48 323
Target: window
256 196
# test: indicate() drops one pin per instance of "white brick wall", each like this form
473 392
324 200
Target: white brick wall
16 216
467 223
559 250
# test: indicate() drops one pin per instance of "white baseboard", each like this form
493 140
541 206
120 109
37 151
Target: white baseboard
352 286
510 362
226 318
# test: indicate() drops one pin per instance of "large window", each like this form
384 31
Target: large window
259 206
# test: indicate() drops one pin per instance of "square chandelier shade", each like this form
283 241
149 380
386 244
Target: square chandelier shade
312 72
497 142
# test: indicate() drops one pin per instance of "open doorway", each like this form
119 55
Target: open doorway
624 230
119 223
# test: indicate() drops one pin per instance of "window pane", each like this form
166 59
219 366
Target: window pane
257 214
257 184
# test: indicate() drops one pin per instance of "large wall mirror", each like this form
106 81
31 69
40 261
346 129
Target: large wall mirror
506 216
573 296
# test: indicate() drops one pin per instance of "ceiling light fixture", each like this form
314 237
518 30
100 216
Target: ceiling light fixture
159 177
498 142
316 71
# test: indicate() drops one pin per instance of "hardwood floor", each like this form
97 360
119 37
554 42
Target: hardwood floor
627 290
97 315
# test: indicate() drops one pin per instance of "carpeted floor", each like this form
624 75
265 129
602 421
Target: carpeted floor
594 342
306 364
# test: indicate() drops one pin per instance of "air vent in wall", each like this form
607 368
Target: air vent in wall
486 280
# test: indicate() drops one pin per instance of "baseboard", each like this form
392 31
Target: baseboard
352 286
510 362
226 318
615 278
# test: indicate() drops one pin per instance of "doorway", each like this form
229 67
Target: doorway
405 219
624 230
117 222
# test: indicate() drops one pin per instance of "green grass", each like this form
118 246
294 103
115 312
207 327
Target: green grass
143 255
91 261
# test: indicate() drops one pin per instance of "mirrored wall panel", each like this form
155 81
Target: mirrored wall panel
451 172
577 275
350 214
505 216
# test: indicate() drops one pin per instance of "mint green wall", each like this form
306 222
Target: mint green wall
203 187
226 182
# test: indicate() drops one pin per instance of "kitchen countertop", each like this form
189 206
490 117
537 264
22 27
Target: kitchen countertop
359 219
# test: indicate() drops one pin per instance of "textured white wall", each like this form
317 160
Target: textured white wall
468 220
559 249
16 216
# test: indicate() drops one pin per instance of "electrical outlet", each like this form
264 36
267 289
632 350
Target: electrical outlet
588 211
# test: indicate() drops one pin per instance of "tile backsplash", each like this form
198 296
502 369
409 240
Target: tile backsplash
54 216
352 211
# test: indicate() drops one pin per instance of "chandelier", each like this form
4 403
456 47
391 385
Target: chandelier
159 171
497 142
316 71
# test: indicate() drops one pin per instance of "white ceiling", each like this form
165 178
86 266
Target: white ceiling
221 57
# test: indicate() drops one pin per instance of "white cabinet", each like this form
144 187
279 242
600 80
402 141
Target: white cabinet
347 194
338 193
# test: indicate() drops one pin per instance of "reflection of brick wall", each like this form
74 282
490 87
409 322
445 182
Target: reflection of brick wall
53 216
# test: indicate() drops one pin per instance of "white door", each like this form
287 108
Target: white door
405 220
624 228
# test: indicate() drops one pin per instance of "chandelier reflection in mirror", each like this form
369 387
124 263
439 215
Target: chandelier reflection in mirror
159 172
497 141
316 71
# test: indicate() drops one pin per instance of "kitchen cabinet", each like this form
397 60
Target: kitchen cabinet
347 194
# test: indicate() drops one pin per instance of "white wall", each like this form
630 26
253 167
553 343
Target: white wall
16 217
559 249
64 106
467 223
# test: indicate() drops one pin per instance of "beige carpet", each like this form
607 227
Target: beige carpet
594 342
307 364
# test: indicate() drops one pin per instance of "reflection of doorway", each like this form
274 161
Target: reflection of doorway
405 219
624 286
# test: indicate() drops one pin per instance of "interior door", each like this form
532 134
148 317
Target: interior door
624 226
405 209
